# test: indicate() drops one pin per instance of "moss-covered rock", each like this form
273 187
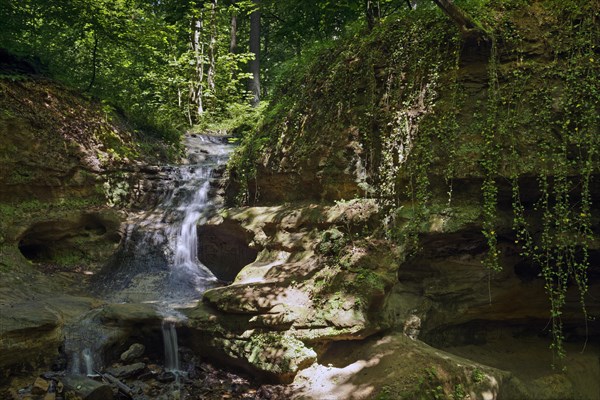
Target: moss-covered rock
478 153
298 291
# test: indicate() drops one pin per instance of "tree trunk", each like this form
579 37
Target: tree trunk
197 45
210 78
94 61
266 43
373 12
86 388
255 49
233 43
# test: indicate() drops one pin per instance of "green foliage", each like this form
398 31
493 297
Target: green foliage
413 125
428 386
477 376
566 116
459 392
134 55
332 242
542 112
239 120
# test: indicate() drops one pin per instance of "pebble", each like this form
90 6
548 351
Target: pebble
40 386
134 352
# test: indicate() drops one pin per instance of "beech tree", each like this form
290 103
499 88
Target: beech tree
255 50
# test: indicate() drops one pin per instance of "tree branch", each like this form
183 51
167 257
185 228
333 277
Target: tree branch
467 26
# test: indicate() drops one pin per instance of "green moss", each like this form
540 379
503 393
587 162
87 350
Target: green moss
23 213
332 242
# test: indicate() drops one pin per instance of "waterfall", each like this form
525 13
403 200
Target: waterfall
184 234
158 261
75 364
88 361
83 343
171 347
85 368
186 250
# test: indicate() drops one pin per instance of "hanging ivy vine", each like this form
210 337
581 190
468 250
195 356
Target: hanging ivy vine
538 118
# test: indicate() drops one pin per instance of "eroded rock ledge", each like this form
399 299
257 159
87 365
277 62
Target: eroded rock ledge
320 279
311 283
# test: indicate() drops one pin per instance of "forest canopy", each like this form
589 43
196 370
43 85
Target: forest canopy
169 64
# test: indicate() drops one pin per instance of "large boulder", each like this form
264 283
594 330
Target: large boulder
311 283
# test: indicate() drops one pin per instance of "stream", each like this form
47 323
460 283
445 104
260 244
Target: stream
157 263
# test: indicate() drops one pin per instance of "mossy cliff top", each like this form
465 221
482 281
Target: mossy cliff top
61 151
49 129
68 164
366 114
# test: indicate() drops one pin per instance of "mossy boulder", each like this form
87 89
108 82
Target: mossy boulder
298 292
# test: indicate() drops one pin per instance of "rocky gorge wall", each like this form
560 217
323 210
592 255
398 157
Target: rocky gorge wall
68 168
373 192
436 150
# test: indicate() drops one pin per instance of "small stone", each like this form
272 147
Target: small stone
127 370
40 386
52 375
140 387
166 377
50 396
146 376
134 352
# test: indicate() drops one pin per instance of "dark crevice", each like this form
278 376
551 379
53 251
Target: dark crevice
224 249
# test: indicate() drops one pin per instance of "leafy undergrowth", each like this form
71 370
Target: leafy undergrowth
67 116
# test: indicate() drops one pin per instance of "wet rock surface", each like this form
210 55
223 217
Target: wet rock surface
127 371
200 380
134 352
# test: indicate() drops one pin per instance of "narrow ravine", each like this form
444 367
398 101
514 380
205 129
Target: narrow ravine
157 263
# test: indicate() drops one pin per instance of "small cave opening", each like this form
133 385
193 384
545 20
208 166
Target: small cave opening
224 249
66 240
93 225
33 251
526 271
95 228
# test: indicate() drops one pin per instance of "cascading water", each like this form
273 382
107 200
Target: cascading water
158 260
171 346
187 273
88 359
83 341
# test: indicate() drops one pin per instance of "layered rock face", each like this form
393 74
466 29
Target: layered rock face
292 293
369 189
421 135
67 169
